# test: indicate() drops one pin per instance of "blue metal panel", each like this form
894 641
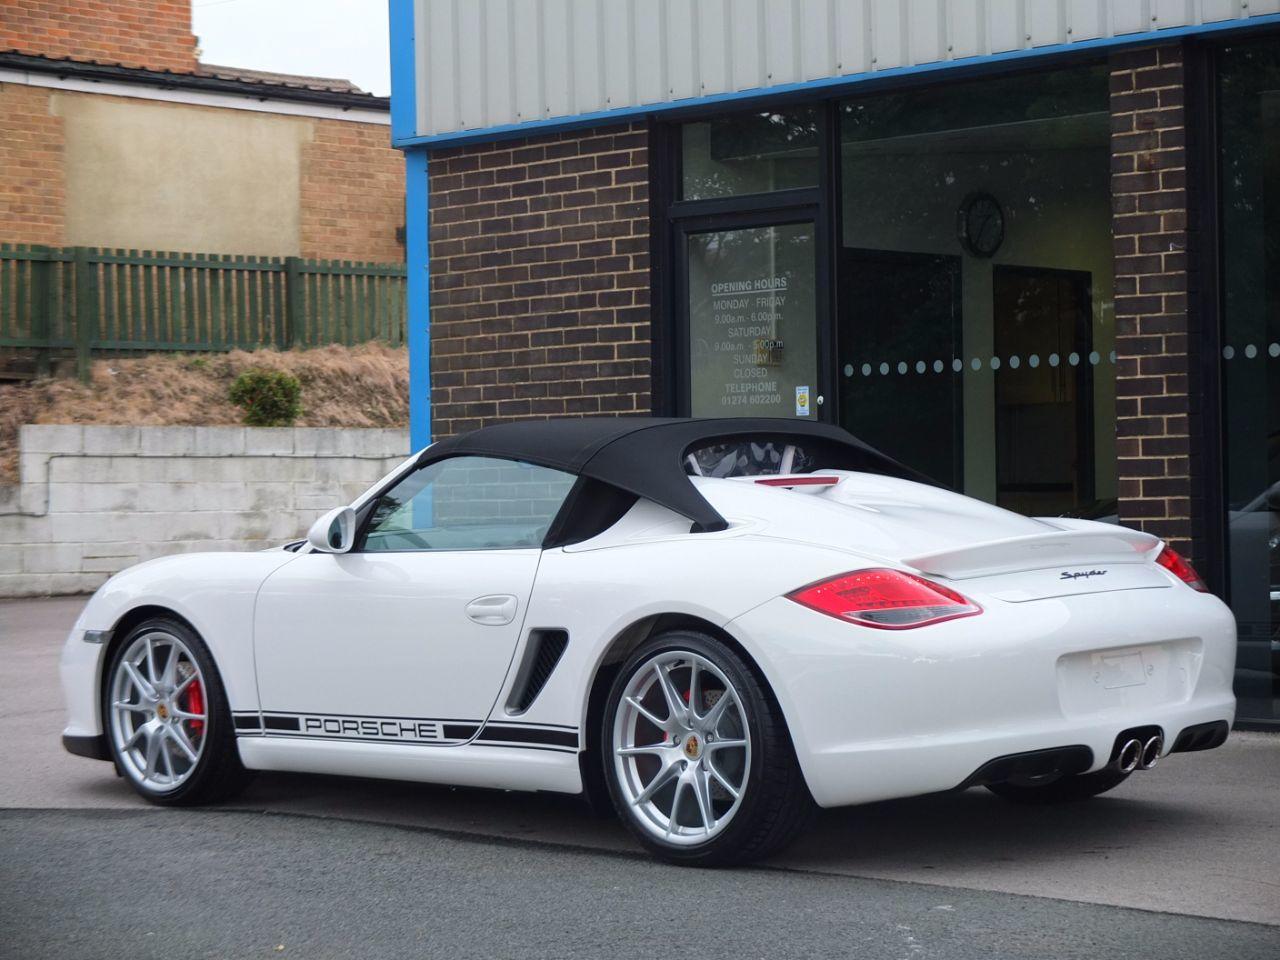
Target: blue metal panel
404 110
744 98
418 255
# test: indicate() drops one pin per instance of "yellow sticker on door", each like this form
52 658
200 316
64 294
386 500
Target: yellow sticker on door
802 401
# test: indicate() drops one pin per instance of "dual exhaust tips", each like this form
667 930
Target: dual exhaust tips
1135 754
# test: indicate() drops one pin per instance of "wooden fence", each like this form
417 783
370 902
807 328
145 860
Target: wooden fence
85 299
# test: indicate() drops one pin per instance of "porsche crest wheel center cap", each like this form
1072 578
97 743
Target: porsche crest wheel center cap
692 747
162 711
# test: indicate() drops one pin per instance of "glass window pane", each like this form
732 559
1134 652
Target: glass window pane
749 153
752 322
1249 97
976 317
468 503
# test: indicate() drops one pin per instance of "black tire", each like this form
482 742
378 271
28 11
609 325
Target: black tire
776 804
218 774
1069 789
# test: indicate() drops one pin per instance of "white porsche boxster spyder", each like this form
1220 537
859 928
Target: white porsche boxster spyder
712 624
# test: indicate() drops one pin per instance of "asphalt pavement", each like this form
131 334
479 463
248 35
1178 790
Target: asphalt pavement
1182 861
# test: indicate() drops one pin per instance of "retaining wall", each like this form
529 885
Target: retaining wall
93 500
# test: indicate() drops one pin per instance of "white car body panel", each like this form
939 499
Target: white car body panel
214 592
320 651
1062 654
894 714
499 767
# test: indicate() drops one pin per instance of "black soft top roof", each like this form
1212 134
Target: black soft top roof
645 455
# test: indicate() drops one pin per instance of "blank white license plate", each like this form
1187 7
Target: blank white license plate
1128 678
1115 670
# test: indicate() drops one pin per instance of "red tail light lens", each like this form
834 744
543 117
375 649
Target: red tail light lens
886 599
1173 561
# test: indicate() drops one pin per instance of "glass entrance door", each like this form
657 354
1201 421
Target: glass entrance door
752 321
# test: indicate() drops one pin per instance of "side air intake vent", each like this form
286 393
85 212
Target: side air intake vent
540 658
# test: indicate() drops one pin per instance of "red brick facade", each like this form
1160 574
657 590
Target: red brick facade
352 193
155 34
540 279
32 187
1159 467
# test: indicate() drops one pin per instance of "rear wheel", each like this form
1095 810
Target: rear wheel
1066 789
167 719
697 756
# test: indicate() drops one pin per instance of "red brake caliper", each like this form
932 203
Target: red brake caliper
195 704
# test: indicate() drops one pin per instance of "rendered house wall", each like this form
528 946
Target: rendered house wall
117 171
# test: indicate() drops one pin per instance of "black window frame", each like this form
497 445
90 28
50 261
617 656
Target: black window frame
669 214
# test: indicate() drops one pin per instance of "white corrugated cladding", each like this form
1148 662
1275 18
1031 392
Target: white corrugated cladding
489 63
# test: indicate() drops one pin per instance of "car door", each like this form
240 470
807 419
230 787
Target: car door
408 637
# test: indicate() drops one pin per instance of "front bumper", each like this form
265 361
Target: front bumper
878 714
80 668
95 748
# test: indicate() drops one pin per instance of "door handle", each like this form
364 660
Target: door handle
493 611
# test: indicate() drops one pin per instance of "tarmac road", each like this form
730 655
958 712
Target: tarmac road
1183 861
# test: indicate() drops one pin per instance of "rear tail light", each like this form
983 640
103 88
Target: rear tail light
1173 561
886 599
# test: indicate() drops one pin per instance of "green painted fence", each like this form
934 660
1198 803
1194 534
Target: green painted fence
86 300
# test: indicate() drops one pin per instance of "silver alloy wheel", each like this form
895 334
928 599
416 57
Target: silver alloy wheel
157 711
682 758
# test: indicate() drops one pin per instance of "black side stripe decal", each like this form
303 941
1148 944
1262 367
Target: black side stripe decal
514 734
459 731
511 734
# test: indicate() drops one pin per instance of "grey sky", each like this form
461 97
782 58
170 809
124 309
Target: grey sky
323 38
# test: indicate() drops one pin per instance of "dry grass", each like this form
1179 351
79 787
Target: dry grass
365 386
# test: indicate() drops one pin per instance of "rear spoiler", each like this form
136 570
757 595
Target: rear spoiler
1061 548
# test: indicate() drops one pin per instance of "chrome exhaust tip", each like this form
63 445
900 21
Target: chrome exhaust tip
1151 752
1130 756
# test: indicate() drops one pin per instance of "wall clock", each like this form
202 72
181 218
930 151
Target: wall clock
980 224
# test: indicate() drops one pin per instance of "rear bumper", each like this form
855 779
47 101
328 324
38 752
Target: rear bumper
878 714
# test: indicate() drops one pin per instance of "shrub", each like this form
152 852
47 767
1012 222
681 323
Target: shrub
270 398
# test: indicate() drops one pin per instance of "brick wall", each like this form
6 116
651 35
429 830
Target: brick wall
352 193
155 34
1158 407
540 279
32 187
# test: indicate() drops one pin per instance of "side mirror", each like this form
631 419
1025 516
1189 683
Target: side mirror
335 532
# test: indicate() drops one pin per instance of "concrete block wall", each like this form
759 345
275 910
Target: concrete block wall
93 500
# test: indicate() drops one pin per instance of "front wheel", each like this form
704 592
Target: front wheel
167 719
697 756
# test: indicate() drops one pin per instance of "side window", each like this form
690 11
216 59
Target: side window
468 503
